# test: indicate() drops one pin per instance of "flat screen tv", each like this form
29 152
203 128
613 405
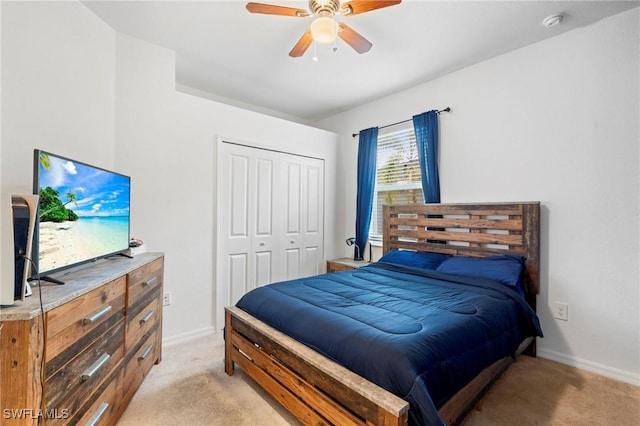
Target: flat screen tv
83 212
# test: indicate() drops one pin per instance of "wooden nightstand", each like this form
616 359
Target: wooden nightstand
344 264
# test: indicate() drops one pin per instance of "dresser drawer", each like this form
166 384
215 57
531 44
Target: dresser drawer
102 408
139 362
71 385
143 281
76 324
146 320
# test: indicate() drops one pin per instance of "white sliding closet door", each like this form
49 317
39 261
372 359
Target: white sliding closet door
270 220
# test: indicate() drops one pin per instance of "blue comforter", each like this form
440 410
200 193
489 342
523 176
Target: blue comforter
419 334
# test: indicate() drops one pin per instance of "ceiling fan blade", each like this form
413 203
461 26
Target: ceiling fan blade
355 7
353 39
269 9
302 45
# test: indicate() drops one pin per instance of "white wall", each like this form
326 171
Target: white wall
74 86
557 122
58 84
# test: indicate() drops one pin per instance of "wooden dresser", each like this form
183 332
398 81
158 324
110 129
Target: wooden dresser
83 360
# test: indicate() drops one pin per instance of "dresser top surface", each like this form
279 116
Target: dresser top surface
78 280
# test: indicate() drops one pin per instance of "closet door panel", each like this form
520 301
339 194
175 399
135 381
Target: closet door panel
237 277
263 262
292 259
313 220
238 228
313 200
293 219
234 210
263 217
294 176
264 205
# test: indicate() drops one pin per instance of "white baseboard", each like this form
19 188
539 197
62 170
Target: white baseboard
594 367
181 338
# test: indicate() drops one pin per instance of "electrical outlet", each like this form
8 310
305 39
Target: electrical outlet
561 311
166 299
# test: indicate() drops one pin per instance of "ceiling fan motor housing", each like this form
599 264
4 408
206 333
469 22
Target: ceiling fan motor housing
324 7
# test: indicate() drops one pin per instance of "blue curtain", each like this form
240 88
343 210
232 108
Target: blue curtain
367 150
426 129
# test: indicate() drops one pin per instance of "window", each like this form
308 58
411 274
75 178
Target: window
398 178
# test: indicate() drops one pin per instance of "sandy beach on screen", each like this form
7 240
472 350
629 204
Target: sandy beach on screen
60 245
64 243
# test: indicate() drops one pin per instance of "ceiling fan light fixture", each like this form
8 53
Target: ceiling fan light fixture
324 30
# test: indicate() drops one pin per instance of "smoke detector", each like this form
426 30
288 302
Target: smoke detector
553 20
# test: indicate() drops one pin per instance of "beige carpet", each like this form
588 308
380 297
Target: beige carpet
189 387
537 391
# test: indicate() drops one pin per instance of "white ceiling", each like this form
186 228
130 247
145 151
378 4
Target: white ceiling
226 53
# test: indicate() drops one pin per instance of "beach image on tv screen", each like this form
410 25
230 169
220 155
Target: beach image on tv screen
83 212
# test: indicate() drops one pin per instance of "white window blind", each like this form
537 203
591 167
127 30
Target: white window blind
397 173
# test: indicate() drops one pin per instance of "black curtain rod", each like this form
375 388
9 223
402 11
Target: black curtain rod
447 109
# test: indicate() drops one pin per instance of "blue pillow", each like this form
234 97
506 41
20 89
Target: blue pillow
414 259
505 269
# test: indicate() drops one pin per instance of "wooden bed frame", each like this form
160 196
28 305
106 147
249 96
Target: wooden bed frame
316 390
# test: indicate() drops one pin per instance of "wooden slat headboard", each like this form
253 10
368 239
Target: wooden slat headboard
478 230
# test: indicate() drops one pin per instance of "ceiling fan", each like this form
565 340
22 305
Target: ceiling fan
324 28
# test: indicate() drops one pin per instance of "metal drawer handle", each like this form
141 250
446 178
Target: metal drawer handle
146 351
147 317
98 414
96 315
150 281
89 372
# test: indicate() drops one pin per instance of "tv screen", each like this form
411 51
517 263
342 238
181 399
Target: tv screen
83 212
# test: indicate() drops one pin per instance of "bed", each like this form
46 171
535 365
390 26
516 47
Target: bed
393 343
